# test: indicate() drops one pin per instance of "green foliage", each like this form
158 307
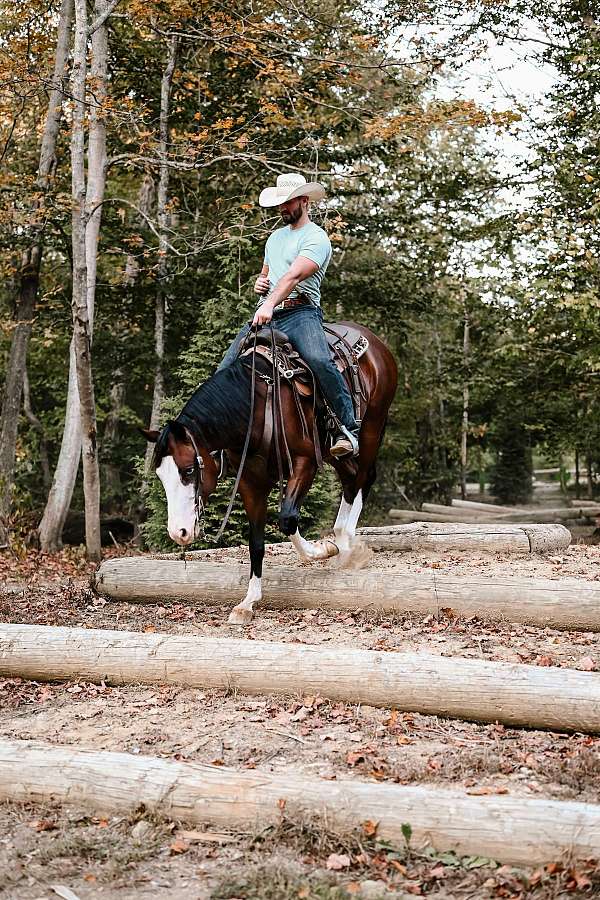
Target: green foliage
512 471
418 223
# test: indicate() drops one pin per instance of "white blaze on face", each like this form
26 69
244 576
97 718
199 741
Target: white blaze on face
181 522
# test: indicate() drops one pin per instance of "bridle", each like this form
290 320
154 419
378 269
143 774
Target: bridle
198 484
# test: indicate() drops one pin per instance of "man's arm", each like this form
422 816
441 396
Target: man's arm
300 269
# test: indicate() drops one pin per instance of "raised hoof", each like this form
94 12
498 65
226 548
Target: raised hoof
239 616
330 548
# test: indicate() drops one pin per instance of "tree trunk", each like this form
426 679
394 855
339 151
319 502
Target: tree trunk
110 471
163 220
81 320
30 273
465 415
473 689
589 476
65 475
517 830
570 603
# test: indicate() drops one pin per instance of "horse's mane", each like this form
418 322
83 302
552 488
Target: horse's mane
219 408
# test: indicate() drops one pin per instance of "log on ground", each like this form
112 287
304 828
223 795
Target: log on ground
486 507
514 830
460 536
455 512
566 603
533 696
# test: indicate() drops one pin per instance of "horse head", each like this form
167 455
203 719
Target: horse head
188 474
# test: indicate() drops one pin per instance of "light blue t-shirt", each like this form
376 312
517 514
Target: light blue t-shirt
285 244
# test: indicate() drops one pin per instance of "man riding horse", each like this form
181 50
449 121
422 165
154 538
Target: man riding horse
296 259
269 425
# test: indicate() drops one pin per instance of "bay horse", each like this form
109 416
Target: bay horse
216 418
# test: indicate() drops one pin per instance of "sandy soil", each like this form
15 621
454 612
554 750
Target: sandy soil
98 858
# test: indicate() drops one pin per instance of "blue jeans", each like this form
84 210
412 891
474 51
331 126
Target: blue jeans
304 327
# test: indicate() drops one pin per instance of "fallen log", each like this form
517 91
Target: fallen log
515 830
545 514
486 507
417 515
454 512
537 516
533 696
566 603
461 536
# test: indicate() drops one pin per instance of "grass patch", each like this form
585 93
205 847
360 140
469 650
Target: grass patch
312 837
269 882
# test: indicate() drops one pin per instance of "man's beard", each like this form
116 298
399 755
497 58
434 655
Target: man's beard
291 217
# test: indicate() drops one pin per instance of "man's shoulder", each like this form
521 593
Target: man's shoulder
278 234
315 234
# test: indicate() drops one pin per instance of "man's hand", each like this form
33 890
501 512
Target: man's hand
263 314
262 284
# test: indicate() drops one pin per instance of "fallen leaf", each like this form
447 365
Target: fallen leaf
587 664
398 867
544 661
44 825
353 757
370 828
337 861
179 846
402 739
392 719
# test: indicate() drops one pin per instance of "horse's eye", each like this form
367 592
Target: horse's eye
187 473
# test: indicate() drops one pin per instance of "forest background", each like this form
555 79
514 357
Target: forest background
135 138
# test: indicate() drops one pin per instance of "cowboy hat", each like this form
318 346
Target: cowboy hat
289 186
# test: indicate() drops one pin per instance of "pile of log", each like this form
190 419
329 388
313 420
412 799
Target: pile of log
468 511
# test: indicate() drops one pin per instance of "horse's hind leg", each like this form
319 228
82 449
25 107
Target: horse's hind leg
357 481
346 521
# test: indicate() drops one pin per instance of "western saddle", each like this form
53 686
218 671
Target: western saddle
346 345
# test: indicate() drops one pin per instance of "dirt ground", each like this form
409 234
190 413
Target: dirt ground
141 856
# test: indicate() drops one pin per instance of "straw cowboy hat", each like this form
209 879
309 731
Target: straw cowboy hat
289 186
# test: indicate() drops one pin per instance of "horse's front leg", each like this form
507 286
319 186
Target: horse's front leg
297 488
255 503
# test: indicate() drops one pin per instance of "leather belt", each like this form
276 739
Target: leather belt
291 302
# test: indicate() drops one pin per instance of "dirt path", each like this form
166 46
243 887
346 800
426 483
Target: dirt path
125 859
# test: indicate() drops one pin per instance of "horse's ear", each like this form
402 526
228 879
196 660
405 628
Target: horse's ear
150 435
